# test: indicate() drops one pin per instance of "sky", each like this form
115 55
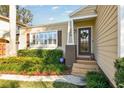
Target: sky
43 14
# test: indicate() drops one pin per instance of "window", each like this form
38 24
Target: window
45 39
33 38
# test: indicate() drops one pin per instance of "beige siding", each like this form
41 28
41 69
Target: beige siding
106 39
89 10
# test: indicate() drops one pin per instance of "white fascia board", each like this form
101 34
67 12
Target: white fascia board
84 17
121 31
74 12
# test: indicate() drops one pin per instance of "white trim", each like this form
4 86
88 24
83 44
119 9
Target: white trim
46 24
85 17
119 32
92 43
39 45
84 6
72 30
43 31
69 28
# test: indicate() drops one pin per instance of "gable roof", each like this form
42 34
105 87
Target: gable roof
47 24
84 11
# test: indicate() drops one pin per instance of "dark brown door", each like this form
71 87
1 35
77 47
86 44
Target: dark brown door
84 41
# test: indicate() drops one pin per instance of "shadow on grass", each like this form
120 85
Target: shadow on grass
60 84
64 85
9 84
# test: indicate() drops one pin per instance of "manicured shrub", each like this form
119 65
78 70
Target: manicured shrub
33 61
49 56
30 53
96 80
119 75
19 64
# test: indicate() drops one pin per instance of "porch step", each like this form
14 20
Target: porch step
87 57
80 72
85 66
90 62
81 67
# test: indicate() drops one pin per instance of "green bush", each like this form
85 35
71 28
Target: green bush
28 65
119 75
96 80
49 56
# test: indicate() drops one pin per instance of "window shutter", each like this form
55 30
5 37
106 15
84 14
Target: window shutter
59 38
28 40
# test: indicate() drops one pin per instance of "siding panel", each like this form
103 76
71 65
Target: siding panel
106 39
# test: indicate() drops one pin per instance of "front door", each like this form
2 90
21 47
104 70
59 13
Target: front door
84 41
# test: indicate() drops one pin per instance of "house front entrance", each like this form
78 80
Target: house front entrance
84 41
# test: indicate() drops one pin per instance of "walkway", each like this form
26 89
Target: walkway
63 78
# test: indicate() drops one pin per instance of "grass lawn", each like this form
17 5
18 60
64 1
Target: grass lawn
28 84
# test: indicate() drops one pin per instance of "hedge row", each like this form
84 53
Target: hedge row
49 56
28 65
119 76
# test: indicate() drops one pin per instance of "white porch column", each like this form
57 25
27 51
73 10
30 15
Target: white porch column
70 51
72 30
70 36
12 18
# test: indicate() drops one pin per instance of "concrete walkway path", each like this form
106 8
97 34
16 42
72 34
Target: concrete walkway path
63 78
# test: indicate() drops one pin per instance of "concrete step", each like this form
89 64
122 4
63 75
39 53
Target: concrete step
79 74
84 57
83 69
85 66
90 62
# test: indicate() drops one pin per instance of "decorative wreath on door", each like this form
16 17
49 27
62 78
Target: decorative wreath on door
84 35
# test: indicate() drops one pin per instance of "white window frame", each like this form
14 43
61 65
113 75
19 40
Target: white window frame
47 46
